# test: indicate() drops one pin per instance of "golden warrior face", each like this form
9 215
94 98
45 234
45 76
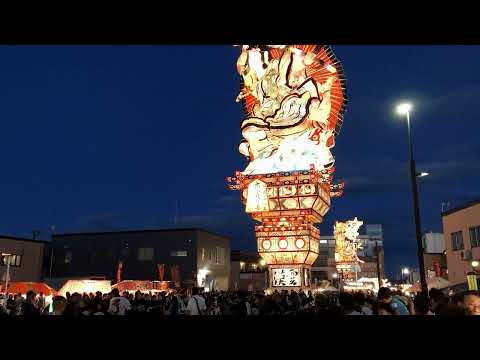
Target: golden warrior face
293 96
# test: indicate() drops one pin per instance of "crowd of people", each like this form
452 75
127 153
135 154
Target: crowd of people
239 303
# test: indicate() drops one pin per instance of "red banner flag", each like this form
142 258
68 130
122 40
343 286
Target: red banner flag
161 271
178 278
119 271
172 273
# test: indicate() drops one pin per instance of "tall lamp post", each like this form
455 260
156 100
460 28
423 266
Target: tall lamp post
404 109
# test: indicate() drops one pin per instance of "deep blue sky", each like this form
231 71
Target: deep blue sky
104 138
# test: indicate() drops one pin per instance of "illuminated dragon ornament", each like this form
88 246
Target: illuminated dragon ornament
293 98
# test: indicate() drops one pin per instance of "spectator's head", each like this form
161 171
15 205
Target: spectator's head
321 301
452 310
457 300
347 302
383 308
384 295
30 296
359 298
422 304
75 298
437 299
471 299
58 304
115 293
195 291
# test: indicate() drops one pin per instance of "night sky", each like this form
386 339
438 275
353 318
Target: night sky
106 138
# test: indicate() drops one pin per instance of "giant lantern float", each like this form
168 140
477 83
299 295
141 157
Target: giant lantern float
294 98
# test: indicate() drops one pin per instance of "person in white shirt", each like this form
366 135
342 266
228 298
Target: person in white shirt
119 305
196 304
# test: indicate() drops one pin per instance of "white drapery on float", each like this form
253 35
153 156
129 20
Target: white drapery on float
85 286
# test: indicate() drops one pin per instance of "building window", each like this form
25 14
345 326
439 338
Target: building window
15 260
203 254
220 256
145 254
475 236
125 251
457 241
210 254
179 253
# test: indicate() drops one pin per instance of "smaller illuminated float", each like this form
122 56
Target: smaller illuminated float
346 247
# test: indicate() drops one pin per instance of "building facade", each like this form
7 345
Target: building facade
25 256
247 272
324 267
201 257
461 228
434 256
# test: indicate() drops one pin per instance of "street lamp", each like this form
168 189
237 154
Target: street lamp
405 273
404 109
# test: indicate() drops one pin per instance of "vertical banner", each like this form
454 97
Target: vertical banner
119 271
161 271
472 281
172 273
436 266
178 278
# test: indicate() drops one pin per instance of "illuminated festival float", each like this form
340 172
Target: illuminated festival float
293 98
346 249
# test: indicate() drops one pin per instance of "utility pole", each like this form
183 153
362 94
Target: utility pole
51 245
416 211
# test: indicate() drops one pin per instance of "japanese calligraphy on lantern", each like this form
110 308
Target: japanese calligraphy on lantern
286 277
257 199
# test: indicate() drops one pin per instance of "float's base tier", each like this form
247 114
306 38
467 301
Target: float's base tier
284 277
288 194
289 244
